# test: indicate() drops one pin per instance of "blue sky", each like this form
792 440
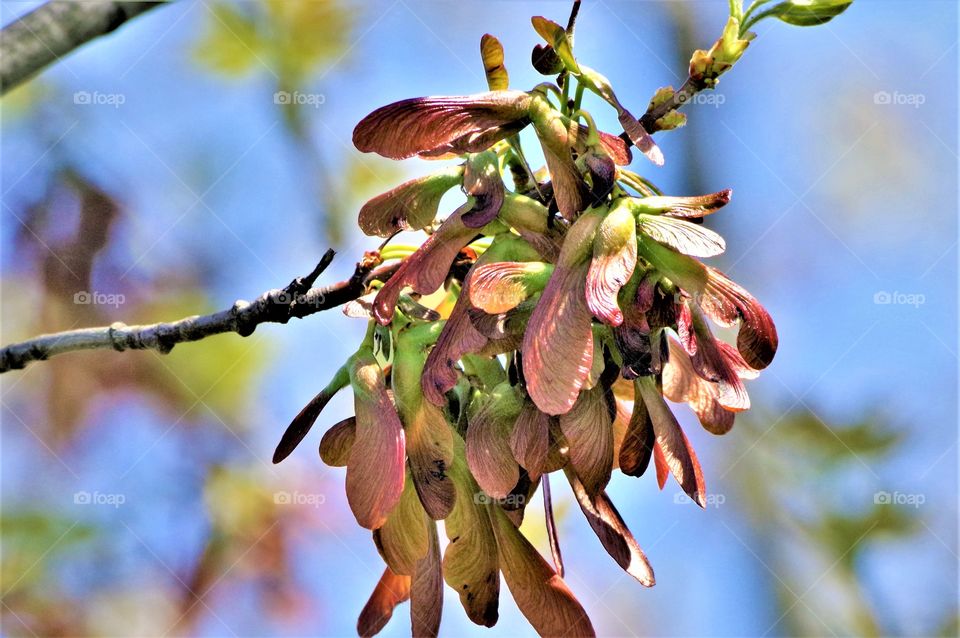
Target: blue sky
845 196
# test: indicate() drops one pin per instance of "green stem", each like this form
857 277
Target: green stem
367 343
544 88
397 251
593 136
578 97
514 141
565 93
736 8
753 7
749 21
488 370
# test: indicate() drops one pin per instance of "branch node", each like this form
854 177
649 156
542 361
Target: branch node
36 352
303 284
118 343
167 338
245 323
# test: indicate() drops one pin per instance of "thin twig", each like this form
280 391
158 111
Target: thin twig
564 78
298 299
572 21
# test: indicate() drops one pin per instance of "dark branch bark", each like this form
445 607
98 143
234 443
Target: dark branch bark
572 20
298 299
55 29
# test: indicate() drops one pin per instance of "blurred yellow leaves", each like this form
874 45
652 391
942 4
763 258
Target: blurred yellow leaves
291 38
216 373
239 502
30 541
22 101
296 42
368 176
230 43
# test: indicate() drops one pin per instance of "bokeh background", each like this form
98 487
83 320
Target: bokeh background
154 171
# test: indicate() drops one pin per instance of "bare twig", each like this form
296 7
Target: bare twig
298 299
55 29
572 20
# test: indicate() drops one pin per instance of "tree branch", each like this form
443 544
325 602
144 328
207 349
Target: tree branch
55 29
680 97
298 299
572 20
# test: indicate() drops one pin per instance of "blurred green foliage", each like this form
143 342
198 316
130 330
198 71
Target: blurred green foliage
216 373
814 523
32 540
297 43
291 38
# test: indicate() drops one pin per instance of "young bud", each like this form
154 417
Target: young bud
491 51
688 207
556 37
638 135
707 66
672 120
545 60
807 13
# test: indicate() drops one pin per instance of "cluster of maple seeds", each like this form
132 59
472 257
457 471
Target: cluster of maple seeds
535 330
